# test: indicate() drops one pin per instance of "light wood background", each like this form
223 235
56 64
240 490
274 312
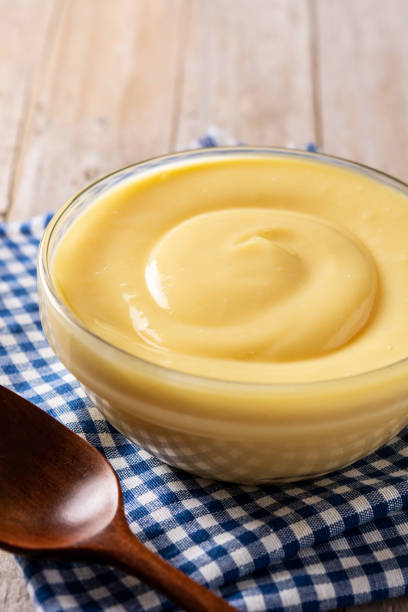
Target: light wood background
87 86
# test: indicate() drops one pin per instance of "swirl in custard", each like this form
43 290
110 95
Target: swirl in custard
259 284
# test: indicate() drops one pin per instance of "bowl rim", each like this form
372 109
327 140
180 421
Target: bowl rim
45 276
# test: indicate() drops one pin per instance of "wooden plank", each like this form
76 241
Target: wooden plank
248 70
363 81
24 30
103 98
13 590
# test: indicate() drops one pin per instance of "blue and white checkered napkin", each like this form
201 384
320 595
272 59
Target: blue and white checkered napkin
331 542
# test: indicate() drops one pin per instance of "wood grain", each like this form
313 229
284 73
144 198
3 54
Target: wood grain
13 591
23 33
103 97
362 64
247 69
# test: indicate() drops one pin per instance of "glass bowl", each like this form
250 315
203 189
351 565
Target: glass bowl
240 432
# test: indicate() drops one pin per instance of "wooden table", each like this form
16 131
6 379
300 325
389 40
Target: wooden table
87 86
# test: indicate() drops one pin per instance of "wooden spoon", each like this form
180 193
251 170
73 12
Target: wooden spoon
60 498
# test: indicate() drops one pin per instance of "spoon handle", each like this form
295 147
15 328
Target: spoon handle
120 548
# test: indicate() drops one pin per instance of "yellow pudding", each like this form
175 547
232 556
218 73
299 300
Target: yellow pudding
240 313
264 270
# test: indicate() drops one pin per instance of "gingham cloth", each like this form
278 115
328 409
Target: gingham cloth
331 542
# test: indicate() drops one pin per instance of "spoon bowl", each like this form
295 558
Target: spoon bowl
60 498
66 500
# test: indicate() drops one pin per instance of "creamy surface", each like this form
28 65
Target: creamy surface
257 269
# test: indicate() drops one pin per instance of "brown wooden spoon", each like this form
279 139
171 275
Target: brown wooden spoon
60 498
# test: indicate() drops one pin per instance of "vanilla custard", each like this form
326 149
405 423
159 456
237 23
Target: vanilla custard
254 269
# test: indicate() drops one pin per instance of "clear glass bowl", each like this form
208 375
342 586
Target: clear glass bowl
239 432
